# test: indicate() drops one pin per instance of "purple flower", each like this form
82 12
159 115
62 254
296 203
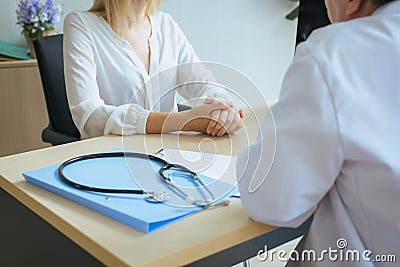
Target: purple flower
37 16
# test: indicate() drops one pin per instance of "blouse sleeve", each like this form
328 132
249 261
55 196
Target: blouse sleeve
189 74
308 156
91 115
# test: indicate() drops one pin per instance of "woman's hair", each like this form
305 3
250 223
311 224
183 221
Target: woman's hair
119 13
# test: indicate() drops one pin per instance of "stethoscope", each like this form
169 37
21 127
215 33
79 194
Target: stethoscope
149 196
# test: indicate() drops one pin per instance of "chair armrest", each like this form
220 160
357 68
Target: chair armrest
183 107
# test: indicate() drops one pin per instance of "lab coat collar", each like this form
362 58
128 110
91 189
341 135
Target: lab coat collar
388 9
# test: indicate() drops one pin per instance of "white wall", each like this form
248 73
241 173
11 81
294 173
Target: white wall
252 36
249 35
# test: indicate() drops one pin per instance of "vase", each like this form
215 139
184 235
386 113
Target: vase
29 40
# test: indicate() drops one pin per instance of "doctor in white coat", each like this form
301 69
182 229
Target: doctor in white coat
338 142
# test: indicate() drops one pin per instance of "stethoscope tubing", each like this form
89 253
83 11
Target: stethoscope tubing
166 166
105 155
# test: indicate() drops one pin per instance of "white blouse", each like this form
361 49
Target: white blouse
106 81
338 149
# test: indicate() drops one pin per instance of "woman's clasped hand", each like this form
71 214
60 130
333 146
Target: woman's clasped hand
220 117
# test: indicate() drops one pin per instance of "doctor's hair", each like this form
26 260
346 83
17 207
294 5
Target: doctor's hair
119 13
379 3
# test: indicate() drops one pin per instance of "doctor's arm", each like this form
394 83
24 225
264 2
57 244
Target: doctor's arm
308 155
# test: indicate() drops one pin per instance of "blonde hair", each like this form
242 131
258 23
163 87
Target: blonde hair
119 13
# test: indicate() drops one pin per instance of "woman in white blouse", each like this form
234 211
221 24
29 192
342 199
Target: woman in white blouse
110 54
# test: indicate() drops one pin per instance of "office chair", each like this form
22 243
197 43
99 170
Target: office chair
312 15
49 54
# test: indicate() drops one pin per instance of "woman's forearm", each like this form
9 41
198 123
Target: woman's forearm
195 119
163 122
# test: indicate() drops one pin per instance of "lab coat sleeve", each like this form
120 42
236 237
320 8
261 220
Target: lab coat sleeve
198 82
308 155
90 114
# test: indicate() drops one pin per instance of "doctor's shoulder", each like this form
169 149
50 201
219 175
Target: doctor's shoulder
330 35
339 36
338 40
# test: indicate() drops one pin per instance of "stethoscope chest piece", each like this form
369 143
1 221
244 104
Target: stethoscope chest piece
157 197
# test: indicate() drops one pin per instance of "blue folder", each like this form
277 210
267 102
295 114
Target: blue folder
134 173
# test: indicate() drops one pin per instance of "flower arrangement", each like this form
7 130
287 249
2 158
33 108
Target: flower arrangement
37 17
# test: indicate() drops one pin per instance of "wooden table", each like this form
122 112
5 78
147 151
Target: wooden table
218 237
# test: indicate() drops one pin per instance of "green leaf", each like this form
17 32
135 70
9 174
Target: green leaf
293 15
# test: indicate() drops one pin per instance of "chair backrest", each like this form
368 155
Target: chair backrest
312 15
49 53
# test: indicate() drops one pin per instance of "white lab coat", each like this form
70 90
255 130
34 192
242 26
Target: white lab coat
338 141
110 92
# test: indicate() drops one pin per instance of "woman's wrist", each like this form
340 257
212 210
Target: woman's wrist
191 122
163 122
195 119
188 121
